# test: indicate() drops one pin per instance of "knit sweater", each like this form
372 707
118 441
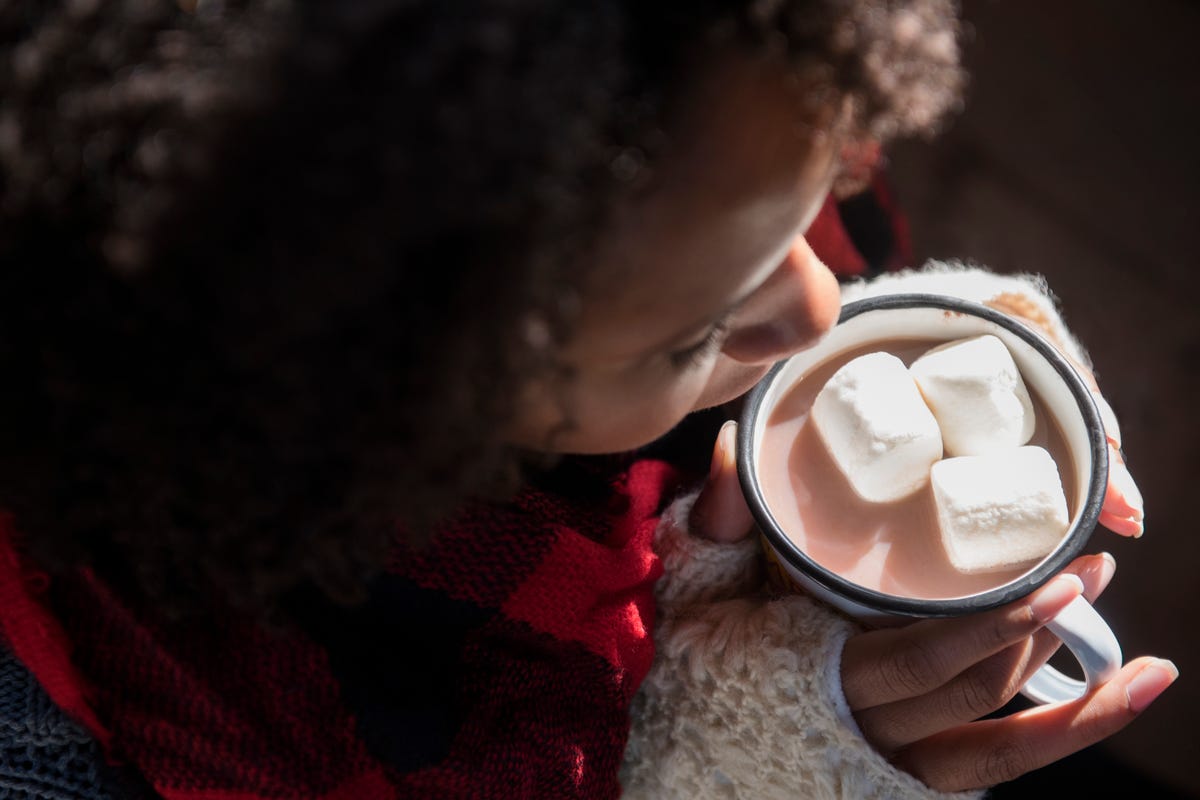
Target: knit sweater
744 698
501 662
44 755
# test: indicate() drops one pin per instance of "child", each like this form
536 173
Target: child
729 700
281 277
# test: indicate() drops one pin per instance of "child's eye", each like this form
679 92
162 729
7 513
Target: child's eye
695 354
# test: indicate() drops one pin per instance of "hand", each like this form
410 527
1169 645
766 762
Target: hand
720 512
915 691
1122 511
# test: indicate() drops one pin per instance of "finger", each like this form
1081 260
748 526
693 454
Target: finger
1123 509
720 512
980 689
1096 572
1112 429
1129 528
885 666
992 751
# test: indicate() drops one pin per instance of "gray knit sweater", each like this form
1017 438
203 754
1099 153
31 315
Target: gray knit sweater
44 755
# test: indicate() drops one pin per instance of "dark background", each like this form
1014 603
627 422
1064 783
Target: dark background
1077 156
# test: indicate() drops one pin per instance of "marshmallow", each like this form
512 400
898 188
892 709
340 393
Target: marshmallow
977 395
999 510
873 422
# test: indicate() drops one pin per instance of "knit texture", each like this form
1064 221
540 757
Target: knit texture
44 755
744 699
500 663
697 571
497 663
1023 295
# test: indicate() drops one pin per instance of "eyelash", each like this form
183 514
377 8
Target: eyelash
695 354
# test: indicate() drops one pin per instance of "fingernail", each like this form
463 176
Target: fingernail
1123 526
1150 683
727 437
720 449
1124 483
1112 429
724 450
1101 568
1054 596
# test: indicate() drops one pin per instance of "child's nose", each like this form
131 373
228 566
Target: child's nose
789 312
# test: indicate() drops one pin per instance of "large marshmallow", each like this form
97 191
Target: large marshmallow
881 435
976 393
999 510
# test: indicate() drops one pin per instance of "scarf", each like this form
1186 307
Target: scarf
497 662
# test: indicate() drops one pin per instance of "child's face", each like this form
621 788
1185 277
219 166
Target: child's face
706 281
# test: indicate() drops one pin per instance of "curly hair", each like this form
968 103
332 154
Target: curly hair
271 270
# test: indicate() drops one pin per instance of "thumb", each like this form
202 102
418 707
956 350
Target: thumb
720 512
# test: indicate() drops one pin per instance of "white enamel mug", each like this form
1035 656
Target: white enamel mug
1067 398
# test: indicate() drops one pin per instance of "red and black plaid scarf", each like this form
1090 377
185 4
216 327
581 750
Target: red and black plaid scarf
497 663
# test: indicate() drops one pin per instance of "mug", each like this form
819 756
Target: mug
1069 401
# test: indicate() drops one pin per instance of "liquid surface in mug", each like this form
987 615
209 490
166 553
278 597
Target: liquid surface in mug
890 547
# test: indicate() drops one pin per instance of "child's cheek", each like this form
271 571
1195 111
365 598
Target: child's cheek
728 380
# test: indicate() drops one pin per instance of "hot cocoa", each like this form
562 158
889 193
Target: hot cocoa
894 547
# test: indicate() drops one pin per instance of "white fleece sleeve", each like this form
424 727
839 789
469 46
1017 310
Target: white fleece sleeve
744 699
1020 295
698 571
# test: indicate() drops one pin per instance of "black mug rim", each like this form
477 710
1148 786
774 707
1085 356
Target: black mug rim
891 604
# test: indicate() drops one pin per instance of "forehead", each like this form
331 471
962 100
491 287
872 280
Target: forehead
752 162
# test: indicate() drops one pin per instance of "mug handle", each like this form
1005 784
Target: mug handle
1091 641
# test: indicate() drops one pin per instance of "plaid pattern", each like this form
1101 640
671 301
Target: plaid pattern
862 235
549 601
497 663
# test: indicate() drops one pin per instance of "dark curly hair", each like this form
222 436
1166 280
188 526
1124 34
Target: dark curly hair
269 270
